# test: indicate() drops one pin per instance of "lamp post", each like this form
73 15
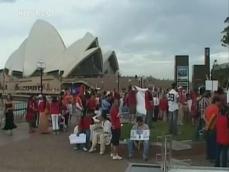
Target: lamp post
60 78
118 81
41 67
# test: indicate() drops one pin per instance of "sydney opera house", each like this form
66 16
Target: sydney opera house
44 44
44 48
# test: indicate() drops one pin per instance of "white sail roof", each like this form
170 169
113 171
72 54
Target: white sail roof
45 44
110 63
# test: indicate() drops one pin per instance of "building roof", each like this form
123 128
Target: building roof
45 44
110 63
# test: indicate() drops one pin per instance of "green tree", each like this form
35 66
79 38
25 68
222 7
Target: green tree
225 32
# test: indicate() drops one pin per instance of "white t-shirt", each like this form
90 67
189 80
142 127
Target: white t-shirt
156 101
107 126
173 100
228 96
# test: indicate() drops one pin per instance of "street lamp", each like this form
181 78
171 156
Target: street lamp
41 67
118 81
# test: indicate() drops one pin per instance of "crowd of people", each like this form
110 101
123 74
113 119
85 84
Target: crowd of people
99 116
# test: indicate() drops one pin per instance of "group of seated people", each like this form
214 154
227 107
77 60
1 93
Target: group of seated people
98 130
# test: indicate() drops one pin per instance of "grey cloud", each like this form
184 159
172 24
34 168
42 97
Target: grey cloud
147 30
7 1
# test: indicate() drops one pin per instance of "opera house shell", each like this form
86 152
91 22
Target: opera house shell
83 58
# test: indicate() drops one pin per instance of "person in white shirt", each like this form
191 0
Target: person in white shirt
103 137
173 97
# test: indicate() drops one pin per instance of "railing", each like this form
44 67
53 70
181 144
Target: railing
166 152
20 108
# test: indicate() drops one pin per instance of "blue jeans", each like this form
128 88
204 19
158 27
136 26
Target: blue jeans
199 128
145 148
173 122
211 144
221 156
149 118
87 144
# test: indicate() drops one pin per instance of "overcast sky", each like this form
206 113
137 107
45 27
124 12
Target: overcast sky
146 34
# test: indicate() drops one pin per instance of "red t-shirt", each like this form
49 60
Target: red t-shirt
85 123
55 108
163 105
211 114
148 100
41 106
31 110
131 98
222 130
91 104
115 118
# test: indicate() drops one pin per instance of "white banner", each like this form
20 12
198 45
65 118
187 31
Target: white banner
139 134
211 85
74 139
141 100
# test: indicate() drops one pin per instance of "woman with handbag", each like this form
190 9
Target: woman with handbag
43 109
9 116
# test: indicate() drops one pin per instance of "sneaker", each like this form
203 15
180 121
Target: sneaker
101 153
117 157
92 150
111 155
84 149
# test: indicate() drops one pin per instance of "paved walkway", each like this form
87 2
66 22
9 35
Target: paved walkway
25 152
49 153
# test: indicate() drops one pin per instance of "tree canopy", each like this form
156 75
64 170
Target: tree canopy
225 32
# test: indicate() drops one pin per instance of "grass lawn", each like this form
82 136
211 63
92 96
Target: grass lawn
160 128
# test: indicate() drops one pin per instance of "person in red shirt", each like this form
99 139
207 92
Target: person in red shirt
55 111
31 113
182 105
149 106
84 127
211 115
163 105
43 109
131 103
92 103
222 138
116 130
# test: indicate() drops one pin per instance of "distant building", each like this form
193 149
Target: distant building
181 74
200 73
221 73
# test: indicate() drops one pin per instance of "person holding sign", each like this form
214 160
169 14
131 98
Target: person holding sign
139 133
84 127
